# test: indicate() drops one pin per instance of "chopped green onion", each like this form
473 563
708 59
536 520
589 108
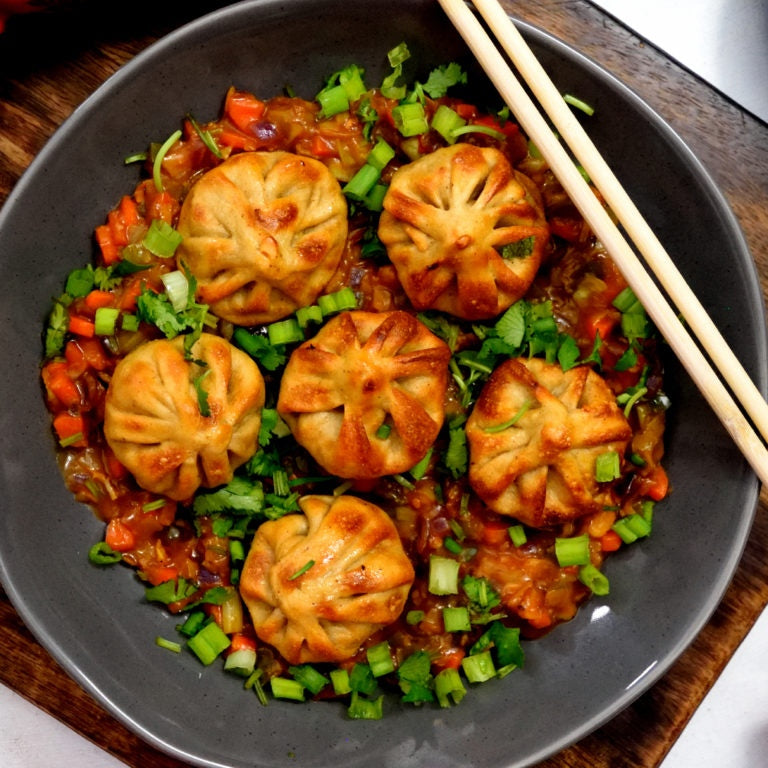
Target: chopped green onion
593 578
202 393
418 469
168 645
129 323
102 554
380 659
177 289
206 138
309 677
304 568
361 679
365 709
340 681
517 535
374 200
446 121
310 314
157 165
152 506
71 440
105 321
443 575
456 619
208 643
626 300
358 187
283 688
380 155
410 119
254 681
285 332
524 408
607 467
414 617
474 128
572 551
398 54
351 79
452 545
479 667
136 157
448 686
338 301
193 623
383 432
241 662
333 100
162 239
632 527
574 101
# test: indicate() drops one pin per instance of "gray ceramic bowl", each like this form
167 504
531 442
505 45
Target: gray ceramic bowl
95 622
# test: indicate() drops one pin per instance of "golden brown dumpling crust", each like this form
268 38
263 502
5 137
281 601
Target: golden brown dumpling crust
541 469
153 420
357 583
361 371
263 234
446 221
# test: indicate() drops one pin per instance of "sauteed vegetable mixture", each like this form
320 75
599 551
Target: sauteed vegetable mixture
356 392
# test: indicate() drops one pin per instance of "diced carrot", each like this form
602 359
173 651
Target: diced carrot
158 574
82 354
114 467
131 290
234 140
59 385
119 536
569 229
449 659
81 327
243 108
610 541
69 426
601 322
495 532
467 111
659 486
323 147
241 641
110 253
97 298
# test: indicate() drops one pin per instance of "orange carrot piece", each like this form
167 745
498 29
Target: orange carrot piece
81 327
119 536
69 426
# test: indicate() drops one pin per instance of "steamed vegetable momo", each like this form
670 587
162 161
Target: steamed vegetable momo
534 437
179 422
263 233
465 231
320 583
366 395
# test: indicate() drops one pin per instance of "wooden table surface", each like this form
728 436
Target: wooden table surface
51 63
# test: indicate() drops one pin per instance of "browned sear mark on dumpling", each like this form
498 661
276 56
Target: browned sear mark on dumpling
362 372
154 423
534 436
320 583
465 231
263 233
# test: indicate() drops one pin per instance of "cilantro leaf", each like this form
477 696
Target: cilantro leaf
444 77
240 496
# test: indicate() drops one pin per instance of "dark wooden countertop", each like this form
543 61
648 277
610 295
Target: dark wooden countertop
51 63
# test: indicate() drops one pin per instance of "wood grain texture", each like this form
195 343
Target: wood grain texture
44 75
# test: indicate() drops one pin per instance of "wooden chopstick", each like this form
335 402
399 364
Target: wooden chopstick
663 315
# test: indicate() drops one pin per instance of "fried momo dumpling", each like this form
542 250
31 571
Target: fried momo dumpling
320 583
263 233
177 423
464 230
366 395
534 436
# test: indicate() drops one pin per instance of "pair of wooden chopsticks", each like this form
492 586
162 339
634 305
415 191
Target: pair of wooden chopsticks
646 290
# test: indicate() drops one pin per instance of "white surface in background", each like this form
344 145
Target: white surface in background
725 42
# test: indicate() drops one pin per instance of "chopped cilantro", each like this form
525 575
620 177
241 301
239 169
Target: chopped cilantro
520 249
444 77
202 394
240 496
